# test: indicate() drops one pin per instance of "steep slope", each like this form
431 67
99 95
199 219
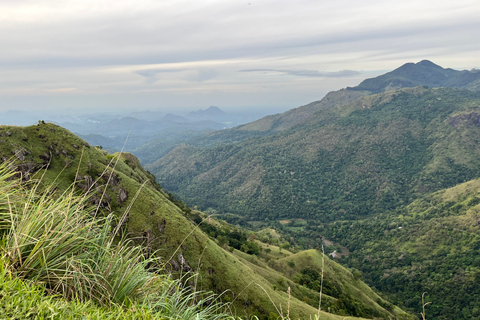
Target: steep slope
431 245
119 184
343 292
377 153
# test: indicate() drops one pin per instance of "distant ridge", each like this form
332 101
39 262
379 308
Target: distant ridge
208 113
423 73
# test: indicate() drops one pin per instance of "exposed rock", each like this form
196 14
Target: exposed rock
85 183
183 263
20 154
470 119
25 169
46 157
122 195
98 202
105 201
174 265
161 225
114 180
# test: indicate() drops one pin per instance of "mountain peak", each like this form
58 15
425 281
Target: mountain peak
209 112
428 63
423 73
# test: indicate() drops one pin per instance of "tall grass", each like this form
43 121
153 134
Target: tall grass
58 243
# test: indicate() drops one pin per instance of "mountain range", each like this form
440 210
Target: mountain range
382 175
353 153
358 156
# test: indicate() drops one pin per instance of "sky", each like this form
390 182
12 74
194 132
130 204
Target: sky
234 54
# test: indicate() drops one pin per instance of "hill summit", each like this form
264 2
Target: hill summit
423 73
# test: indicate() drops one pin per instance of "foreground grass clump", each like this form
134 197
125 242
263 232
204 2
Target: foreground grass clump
57 246
22 300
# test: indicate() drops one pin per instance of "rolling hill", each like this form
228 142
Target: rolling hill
165 229
432 245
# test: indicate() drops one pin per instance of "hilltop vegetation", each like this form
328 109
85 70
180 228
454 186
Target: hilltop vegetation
120 189
57 246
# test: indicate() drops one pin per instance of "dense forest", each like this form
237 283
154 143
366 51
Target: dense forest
375 154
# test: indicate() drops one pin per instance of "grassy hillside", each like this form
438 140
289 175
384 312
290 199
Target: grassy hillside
374 154
431 245
118 184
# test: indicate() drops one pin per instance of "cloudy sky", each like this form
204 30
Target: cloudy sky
158 54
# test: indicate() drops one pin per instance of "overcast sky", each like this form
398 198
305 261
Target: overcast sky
228 53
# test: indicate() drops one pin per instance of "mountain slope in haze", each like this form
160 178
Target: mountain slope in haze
423 73
374 154
118 182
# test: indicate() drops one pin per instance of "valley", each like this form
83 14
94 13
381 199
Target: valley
370 196
352 168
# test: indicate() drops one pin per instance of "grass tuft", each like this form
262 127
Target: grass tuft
61 248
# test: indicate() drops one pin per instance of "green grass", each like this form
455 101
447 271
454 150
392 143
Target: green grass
57 247
90 266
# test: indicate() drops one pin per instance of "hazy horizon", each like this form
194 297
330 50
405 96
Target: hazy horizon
160 55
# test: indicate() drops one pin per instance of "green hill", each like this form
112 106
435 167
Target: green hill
346 161
431 245
118 182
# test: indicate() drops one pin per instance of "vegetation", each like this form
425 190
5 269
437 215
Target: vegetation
431 246
91 267
55 246
345 162
358 168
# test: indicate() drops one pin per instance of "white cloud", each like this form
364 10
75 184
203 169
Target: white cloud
94 50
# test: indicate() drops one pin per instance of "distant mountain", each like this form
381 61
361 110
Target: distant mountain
352 153
174 118
423 73
211 112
